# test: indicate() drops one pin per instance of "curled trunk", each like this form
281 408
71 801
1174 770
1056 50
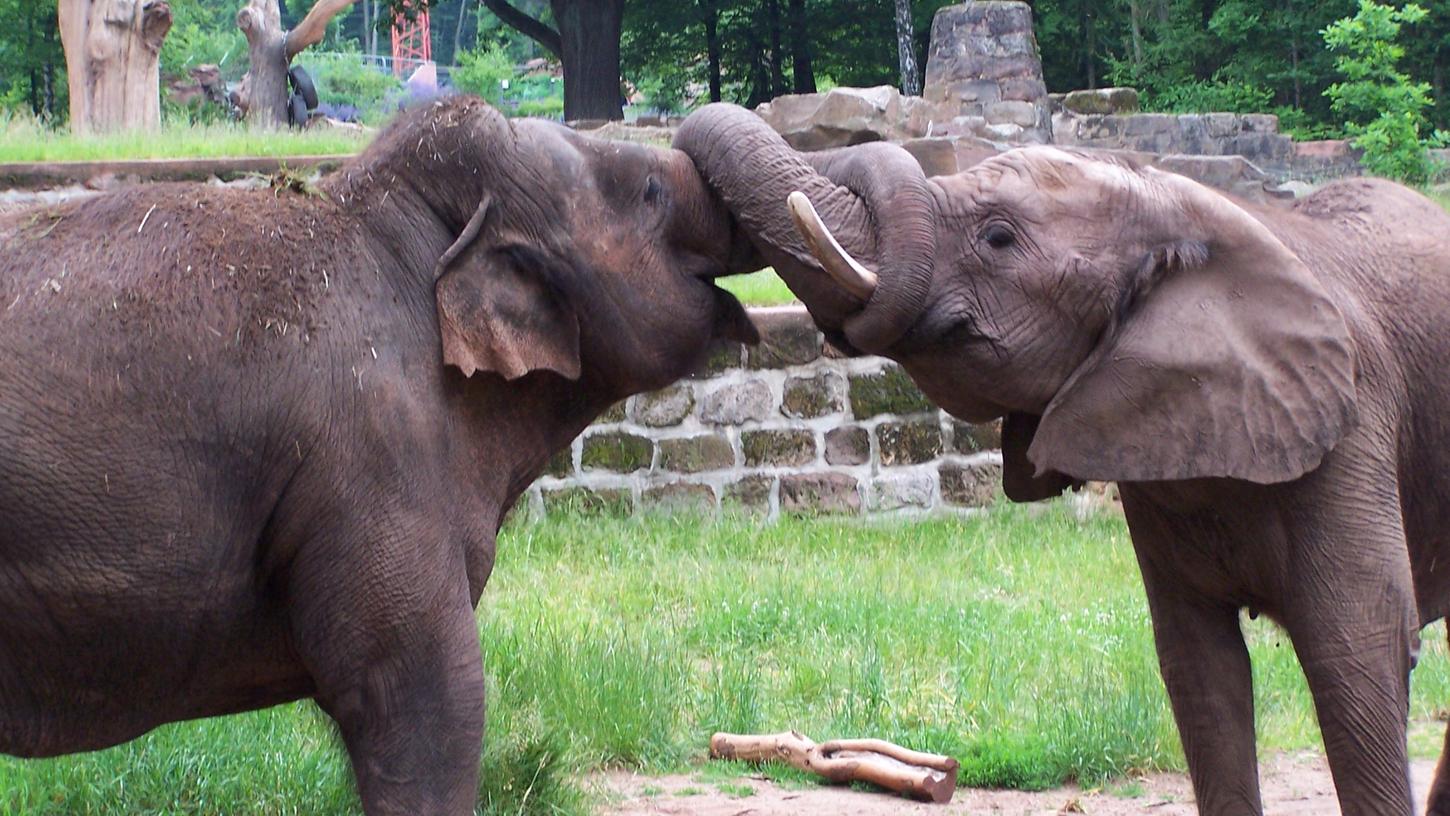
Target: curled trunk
874 198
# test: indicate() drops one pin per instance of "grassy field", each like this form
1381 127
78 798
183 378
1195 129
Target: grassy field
23 140
1017 641
763 288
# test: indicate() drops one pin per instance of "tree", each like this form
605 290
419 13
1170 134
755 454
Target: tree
32 63
272 48
1385 108
906 51
113 52
586 41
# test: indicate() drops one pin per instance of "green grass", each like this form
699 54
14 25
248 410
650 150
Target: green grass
23 140
763 288
1017 641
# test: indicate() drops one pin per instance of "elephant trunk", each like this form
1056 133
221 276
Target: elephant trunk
873 198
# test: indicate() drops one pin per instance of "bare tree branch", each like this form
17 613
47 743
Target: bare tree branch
313 27
528 26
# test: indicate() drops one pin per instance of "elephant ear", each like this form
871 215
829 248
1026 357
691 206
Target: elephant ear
1019 481
1227 358
502 311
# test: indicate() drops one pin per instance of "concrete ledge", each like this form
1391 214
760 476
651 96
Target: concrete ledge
55 174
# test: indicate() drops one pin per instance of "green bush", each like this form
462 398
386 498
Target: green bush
484 72
1383 109
344 79
1213 96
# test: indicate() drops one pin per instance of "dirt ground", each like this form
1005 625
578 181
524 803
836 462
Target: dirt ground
1291 785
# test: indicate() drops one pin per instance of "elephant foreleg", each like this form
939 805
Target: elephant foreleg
399 668
1206 671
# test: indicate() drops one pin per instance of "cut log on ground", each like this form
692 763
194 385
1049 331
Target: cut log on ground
928 777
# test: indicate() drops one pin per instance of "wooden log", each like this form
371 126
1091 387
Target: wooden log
927 777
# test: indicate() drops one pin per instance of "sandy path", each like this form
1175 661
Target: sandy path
1291 785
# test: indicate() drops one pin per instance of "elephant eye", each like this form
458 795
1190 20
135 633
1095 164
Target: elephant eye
652 190
999 236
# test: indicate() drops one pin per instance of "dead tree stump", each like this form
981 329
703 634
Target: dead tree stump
264 94
112 56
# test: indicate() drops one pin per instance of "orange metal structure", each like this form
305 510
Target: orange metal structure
412 45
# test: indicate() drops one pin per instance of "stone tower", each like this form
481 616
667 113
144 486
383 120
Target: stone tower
984 63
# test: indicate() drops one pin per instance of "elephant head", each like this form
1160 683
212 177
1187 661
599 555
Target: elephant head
1129 324
550 251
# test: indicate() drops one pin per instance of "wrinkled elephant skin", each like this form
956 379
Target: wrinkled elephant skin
255 445
1266 384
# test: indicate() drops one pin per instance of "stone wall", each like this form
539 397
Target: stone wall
1254 136
983 81
788 426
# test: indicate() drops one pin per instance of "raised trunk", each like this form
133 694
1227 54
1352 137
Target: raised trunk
905 50
589 32
873 197
112 54
803 76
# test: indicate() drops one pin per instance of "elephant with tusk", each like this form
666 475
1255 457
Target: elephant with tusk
1266 385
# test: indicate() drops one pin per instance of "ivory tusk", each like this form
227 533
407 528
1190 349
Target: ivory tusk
853 277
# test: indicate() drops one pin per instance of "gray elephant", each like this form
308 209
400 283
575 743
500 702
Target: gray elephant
255 445
1266 385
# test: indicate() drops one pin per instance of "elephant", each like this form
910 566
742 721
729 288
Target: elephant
256 445
1264 383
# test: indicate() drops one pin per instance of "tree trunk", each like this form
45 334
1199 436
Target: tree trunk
587 45
906 50
589 33
777 54
463 6
272 48
712 46
1135 11
802 73
112 54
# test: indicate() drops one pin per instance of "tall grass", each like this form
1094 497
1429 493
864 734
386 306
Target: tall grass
1017 641
763 288
22 139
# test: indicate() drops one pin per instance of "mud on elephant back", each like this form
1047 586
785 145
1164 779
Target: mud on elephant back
1263 382
255 445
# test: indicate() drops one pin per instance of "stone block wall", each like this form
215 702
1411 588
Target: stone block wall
788 426
1254 136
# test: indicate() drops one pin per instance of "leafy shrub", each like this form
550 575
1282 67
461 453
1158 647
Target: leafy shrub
547 108
345 80
484 72
1213 96
1384 110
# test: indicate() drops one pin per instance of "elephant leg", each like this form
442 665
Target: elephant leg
399 668
1205 667
1352 618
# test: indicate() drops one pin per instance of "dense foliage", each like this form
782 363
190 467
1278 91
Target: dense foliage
1183 55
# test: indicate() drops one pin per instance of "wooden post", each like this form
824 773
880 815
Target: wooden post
928 777
112 55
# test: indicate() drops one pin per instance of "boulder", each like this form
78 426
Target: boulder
1102 101
840 117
